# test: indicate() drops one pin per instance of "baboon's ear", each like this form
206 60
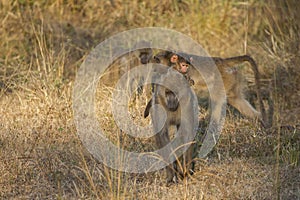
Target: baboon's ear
174 58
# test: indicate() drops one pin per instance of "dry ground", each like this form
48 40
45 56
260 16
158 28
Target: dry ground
42 46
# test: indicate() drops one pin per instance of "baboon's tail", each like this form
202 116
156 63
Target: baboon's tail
246 58
147 109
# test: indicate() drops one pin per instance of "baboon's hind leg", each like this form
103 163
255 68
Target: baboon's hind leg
244 107
162 139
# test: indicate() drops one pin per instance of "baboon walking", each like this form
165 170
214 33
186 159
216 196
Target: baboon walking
231 78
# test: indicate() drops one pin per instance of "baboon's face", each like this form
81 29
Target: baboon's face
183 66
145 56
171 100
172 59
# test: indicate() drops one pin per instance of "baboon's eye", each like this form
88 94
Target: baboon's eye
184 65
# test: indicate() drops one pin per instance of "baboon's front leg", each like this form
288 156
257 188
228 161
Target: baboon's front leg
186 164
162 139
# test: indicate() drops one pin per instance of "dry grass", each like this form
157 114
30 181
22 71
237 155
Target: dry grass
43 44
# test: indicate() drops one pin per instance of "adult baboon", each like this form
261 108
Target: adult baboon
231 77
174 104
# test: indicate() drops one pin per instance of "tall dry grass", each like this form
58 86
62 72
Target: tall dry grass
43 44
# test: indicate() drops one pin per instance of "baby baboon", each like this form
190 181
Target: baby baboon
177 62
232 79
180 109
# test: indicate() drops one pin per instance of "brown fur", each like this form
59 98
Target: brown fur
171 104
231 77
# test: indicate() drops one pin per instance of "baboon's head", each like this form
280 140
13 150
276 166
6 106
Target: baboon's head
182 65
144 53
173 59
171 100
